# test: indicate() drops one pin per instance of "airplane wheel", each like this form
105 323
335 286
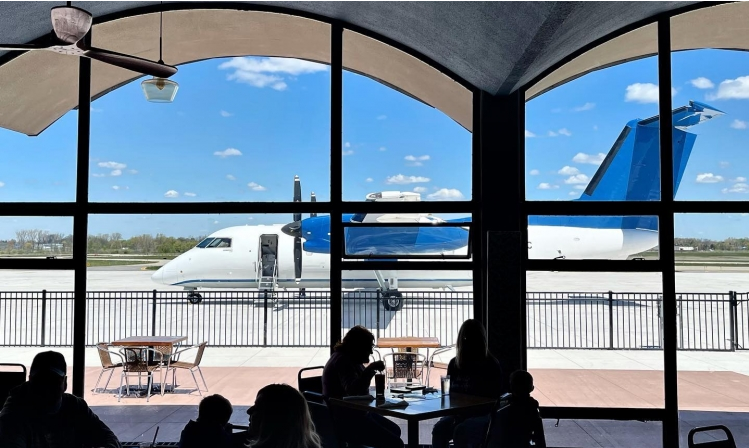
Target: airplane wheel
392 301
194 298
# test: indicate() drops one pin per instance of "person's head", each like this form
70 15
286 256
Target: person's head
280 419
358 343
471 348
214 409
521 383
48 379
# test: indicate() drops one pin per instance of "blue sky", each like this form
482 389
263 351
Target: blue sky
241 128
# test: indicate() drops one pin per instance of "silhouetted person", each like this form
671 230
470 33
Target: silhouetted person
473 371
212 426
345 375
280 418
519 423
39 414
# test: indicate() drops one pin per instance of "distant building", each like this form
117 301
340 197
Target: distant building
683 248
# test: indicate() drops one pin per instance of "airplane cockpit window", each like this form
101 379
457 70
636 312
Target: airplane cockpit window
220 242
205 242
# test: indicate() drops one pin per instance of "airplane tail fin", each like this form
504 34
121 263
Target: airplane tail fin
631 170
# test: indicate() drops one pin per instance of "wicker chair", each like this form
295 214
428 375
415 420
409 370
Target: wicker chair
107 365
189 366
137 361
405 366
167 356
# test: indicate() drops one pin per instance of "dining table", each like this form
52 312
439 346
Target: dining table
151 342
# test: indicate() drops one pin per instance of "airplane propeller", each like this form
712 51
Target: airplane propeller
298 233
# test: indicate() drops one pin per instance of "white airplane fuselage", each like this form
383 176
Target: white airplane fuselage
237 266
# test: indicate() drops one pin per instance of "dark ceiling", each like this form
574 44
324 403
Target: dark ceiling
496 46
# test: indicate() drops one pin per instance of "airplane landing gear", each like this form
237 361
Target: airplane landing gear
392 300
194 297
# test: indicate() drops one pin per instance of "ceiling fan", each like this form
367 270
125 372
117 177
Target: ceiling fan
70 25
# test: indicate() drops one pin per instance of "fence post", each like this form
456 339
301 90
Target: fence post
733 318
611 320
44 315
377 307
265 318
153 314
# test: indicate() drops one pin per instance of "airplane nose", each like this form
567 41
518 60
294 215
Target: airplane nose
166 275
158 276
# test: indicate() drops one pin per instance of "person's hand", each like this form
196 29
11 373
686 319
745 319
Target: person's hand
377 366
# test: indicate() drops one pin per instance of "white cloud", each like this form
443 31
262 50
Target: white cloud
215 222
584 107
702 83
228 152
552 134
192 195
565 132
382 148
256 187
2 184
547 186
400 179
115 187
529 134
416 160
230 177
579 187
738 124
171 194
534 172
732 89
644 93
421 189
95 110
737 188
577 179
99 175
592 159
724 164
268 72
382 117
116 173
739 179
446 193
348 152
112 165
708 178
132 171
573 193
568 171
226 114
347 145
369 179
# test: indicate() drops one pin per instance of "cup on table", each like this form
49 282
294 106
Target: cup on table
445 384
380 385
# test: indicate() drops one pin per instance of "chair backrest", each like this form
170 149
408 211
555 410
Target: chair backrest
199 355
10 379
104 356
404 365
323 421
310 383
509 426
137 358
165 350
728 442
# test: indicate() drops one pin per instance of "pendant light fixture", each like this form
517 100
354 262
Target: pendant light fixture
156 89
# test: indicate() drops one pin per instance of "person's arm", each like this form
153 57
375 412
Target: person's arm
99 434
12 435
539 438
353 380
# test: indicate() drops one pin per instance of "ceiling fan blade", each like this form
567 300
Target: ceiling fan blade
70 23
133 63
20 47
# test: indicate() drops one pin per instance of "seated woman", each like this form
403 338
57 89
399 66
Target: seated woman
345 375
280 419
473 371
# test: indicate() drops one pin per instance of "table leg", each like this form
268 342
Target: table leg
413 434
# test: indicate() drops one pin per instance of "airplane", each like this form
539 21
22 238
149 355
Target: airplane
274 256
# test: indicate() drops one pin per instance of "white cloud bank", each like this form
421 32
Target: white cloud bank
446 194
643 93
256 187
591 159
228 152
268 72
171 194
400 179
708 178
702 83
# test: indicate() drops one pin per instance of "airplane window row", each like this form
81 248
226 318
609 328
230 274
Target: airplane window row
215 242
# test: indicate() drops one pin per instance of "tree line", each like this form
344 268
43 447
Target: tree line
727 245
36 241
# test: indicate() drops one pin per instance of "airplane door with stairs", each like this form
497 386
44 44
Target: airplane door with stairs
268 262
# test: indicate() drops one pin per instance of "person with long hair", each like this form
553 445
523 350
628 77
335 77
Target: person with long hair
345 375
473 371
280 419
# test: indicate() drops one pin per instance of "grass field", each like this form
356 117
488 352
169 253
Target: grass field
98 262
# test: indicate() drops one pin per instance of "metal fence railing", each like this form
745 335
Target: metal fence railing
559 320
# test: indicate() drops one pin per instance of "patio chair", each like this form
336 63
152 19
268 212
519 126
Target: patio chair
137 361
167 356
107 365
9 379
189 366
310 383
728 442
436 352
408 366
322 419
